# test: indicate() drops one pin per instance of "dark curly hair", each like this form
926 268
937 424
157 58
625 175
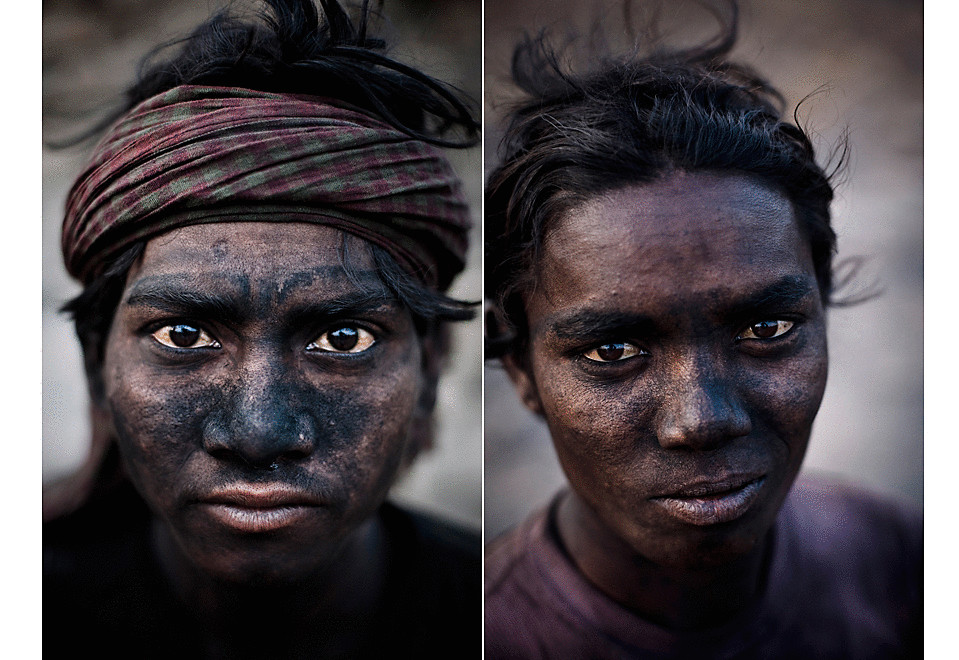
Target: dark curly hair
633 119
289 47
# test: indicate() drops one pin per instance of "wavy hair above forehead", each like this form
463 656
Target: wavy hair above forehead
289 47
632 118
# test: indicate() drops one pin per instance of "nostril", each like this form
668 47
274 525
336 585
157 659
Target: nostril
269 463
220 453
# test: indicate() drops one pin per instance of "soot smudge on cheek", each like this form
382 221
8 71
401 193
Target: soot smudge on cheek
152 459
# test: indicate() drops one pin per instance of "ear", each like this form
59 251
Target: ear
501 340
95 388
521 374
435 345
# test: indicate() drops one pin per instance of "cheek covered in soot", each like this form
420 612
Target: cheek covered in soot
181 433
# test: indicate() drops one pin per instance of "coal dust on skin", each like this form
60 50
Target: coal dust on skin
262 450
677 351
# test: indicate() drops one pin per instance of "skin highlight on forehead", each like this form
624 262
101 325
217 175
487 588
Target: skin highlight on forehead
338 262
665 224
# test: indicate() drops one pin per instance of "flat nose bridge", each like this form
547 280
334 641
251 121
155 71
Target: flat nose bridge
264 420
700 406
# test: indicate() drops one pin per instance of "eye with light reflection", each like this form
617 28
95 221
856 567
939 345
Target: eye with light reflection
613 352
768 329
183 335
344 339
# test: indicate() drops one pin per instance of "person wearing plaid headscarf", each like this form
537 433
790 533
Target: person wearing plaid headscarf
265 235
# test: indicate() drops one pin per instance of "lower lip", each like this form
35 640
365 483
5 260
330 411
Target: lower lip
256 520
712 509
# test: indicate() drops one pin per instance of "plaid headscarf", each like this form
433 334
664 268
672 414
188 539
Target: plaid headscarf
197 154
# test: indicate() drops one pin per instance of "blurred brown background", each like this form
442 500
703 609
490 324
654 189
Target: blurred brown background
867 57
90 50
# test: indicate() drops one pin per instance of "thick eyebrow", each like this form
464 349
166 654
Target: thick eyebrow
178 300
591 323
174 296
787 292
347 305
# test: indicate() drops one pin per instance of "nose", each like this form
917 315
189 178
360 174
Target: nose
263 421
700 407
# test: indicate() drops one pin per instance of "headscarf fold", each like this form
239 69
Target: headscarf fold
198 154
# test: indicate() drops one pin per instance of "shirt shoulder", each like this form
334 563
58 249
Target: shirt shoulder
828 521
434 600
428 540
504 556
846 577
537 604
100 580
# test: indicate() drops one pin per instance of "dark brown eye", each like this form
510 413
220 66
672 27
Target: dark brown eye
766 330
345 339
182 335
612 352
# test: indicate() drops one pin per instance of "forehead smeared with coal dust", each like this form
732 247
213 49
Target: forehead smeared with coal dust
633 119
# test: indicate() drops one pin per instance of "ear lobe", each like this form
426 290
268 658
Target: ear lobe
524 383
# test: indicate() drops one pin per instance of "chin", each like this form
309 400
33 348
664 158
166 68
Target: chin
703 548
250 560
257 570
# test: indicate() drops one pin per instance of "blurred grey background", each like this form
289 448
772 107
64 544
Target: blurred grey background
869 55
863 61
90 51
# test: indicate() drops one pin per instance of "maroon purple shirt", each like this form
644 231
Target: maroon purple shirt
845 581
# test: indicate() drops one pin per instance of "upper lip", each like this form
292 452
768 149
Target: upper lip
260 496
710 487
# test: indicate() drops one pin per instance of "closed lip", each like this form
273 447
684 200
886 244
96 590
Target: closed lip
260 496
712 503
257 508
712 487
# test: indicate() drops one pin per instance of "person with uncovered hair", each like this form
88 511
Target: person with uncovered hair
659 262
266 235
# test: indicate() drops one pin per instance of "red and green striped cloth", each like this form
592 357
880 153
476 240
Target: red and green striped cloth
200 154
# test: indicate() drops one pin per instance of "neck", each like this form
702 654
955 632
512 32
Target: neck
331 609
686 595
